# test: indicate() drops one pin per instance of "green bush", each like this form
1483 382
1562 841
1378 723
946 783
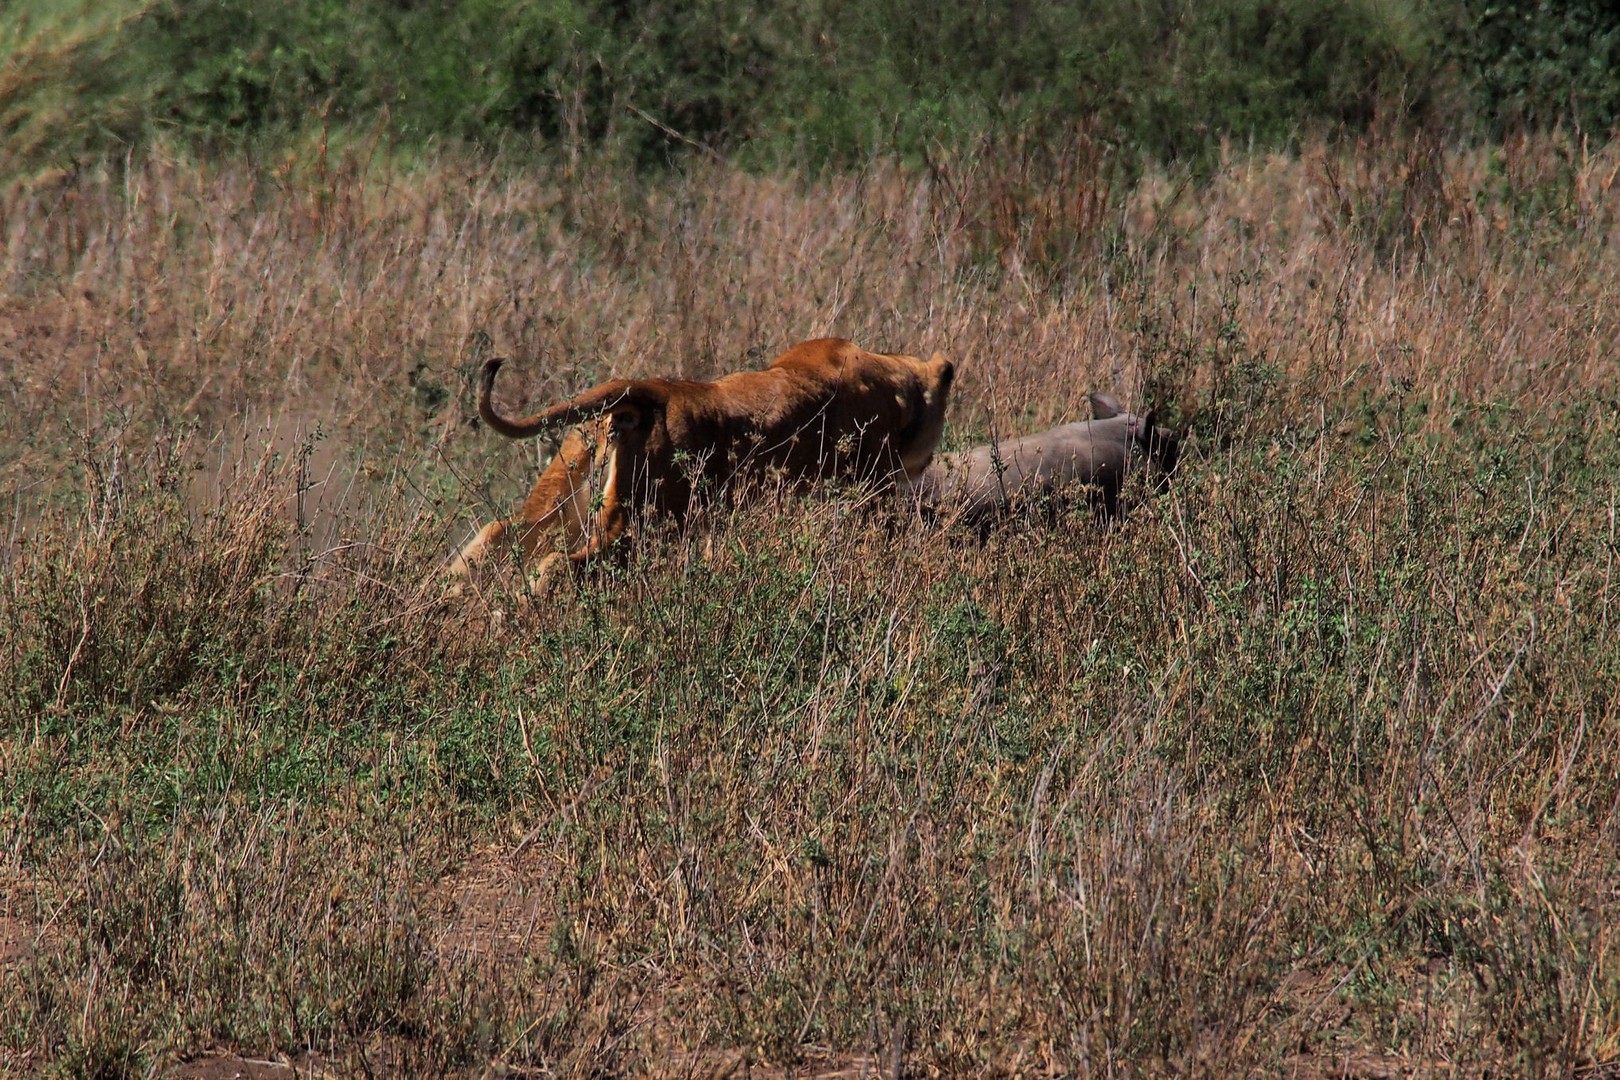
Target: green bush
1538 62
816 83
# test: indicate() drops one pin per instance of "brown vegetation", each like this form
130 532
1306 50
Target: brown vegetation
1310 767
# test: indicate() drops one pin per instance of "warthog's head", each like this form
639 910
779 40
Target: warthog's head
1161 446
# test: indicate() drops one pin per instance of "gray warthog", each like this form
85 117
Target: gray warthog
985 482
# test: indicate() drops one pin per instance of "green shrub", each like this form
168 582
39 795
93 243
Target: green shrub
823 83
1537 62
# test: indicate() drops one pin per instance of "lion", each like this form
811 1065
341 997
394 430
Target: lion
987 482
824 409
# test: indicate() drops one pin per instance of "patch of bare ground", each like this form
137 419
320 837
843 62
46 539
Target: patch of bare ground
227 1066
1353 1066
16 940
493 910
24 928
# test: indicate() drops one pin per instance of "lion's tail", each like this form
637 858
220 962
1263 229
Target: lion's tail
619 395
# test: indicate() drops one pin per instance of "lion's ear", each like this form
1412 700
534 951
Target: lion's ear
644 397
1104 406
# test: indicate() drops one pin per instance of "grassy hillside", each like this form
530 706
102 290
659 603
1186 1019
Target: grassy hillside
1309 766
808 82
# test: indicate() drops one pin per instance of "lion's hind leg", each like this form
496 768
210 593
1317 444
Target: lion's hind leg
559 503
476 550
561 500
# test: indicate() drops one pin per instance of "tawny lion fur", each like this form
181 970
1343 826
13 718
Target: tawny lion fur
824 408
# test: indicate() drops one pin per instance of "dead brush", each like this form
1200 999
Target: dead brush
1040 202
1308 766
1390 186
101 615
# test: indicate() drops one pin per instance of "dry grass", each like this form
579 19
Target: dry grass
1309 768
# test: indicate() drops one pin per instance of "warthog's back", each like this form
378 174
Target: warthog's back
987 480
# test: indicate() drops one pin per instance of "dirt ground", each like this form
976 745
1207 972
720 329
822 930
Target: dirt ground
490 910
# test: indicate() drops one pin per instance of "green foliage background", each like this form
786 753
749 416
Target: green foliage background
813 81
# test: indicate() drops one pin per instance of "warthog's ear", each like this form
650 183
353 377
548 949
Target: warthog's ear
1162 445
1104 406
